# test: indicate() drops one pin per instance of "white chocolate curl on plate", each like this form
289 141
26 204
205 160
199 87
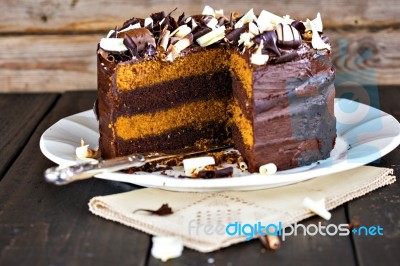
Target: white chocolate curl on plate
191 165
318 207
268 169
84 153
165 248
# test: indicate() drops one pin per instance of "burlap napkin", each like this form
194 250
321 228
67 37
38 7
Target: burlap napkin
199 219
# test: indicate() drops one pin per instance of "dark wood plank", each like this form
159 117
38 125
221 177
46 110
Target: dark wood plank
381 207
68 62
19 116
75 15
47 225
303 250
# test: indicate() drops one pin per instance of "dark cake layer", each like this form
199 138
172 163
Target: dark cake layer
175 92
212 134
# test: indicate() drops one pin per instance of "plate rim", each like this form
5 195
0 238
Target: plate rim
254 181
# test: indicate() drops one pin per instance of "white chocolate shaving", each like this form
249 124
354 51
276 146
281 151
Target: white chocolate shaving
182 44
181 31
113 44
246 39
219 13
247 18
268 169
253 29
208 11
192 165
110 33
165 248
172 53
265 18
317 23
212 23
84 153
318 207
287 20
317 42
211 37
148 22
81 152
130 27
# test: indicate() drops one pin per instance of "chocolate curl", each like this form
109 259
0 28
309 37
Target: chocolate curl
287 57
234 36
269 39
130 44
298 25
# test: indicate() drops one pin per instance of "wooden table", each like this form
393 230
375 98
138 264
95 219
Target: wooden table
46 225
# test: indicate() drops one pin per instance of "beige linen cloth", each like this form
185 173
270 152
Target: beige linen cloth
199 219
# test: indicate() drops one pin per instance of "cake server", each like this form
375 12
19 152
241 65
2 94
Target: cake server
62 175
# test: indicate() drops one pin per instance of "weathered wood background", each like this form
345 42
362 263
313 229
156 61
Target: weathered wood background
49 45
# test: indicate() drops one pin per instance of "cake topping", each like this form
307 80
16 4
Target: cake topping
154 35
268 169
288 36
258 58
269 38
211 37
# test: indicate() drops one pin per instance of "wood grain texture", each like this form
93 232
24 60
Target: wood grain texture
75 15
68 62
41 224
19 111
382 207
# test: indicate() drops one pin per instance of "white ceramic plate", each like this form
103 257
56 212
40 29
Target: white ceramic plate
365 134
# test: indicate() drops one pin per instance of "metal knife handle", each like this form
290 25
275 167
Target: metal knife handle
62 175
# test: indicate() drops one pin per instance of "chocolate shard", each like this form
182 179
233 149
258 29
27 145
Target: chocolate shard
215 173
173 23
234 36
130 44
129 22
157 17
163 210
180 19
224 172
298 25
269 39
287 57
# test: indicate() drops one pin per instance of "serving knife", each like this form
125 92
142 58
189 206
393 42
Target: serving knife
63 175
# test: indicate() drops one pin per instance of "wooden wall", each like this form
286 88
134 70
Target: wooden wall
49 45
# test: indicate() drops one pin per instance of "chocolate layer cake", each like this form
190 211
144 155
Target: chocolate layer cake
263 84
